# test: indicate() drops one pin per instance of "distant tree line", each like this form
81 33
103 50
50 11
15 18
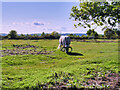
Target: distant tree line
91 34
13 35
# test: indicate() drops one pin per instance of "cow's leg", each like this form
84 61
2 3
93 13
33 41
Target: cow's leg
59 46
66 49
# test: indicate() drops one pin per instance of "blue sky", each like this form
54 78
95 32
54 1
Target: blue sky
38 17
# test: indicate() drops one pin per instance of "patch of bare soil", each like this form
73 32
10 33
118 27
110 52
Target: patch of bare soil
96 41
19 50
108 82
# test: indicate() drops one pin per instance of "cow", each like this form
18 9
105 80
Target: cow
64 42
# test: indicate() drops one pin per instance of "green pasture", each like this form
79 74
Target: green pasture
21 71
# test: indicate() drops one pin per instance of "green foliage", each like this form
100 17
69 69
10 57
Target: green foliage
100 36
117 33
92 33
43 34
35 35
22 35
89 32
95 13
55 34
109 33
12 34
73 36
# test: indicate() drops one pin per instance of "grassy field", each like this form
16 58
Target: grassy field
41 61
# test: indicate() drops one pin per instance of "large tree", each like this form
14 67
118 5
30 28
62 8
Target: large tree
12 34
105 14
108 33
43 34
92 33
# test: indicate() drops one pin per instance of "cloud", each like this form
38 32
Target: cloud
63 28
18 23
14 23
38 24
26 23
50 29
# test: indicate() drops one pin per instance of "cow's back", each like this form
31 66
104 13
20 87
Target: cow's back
64 40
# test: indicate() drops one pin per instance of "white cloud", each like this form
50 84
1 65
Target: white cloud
47 27
14 23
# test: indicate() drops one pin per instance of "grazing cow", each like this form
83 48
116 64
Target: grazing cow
64 41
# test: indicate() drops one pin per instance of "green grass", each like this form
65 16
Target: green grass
26 70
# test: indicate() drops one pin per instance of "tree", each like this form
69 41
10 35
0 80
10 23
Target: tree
109 33
71 35
35 35
117 32
89 32
43 34
22 35
95 34
105 14
55 34
92 33
12 34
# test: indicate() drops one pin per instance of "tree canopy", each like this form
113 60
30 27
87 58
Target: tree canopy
109 33
92 33
12 34
105 14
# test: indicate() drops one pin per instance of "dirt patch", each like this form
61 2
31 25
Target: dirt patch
65 81
24 46
110 80
96 41
20 50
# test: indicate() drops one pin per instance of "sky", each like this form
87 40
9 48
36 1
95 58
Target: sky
38 17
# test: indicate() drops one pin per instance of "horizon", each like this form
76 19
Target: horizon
51 32
38 17
47 32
